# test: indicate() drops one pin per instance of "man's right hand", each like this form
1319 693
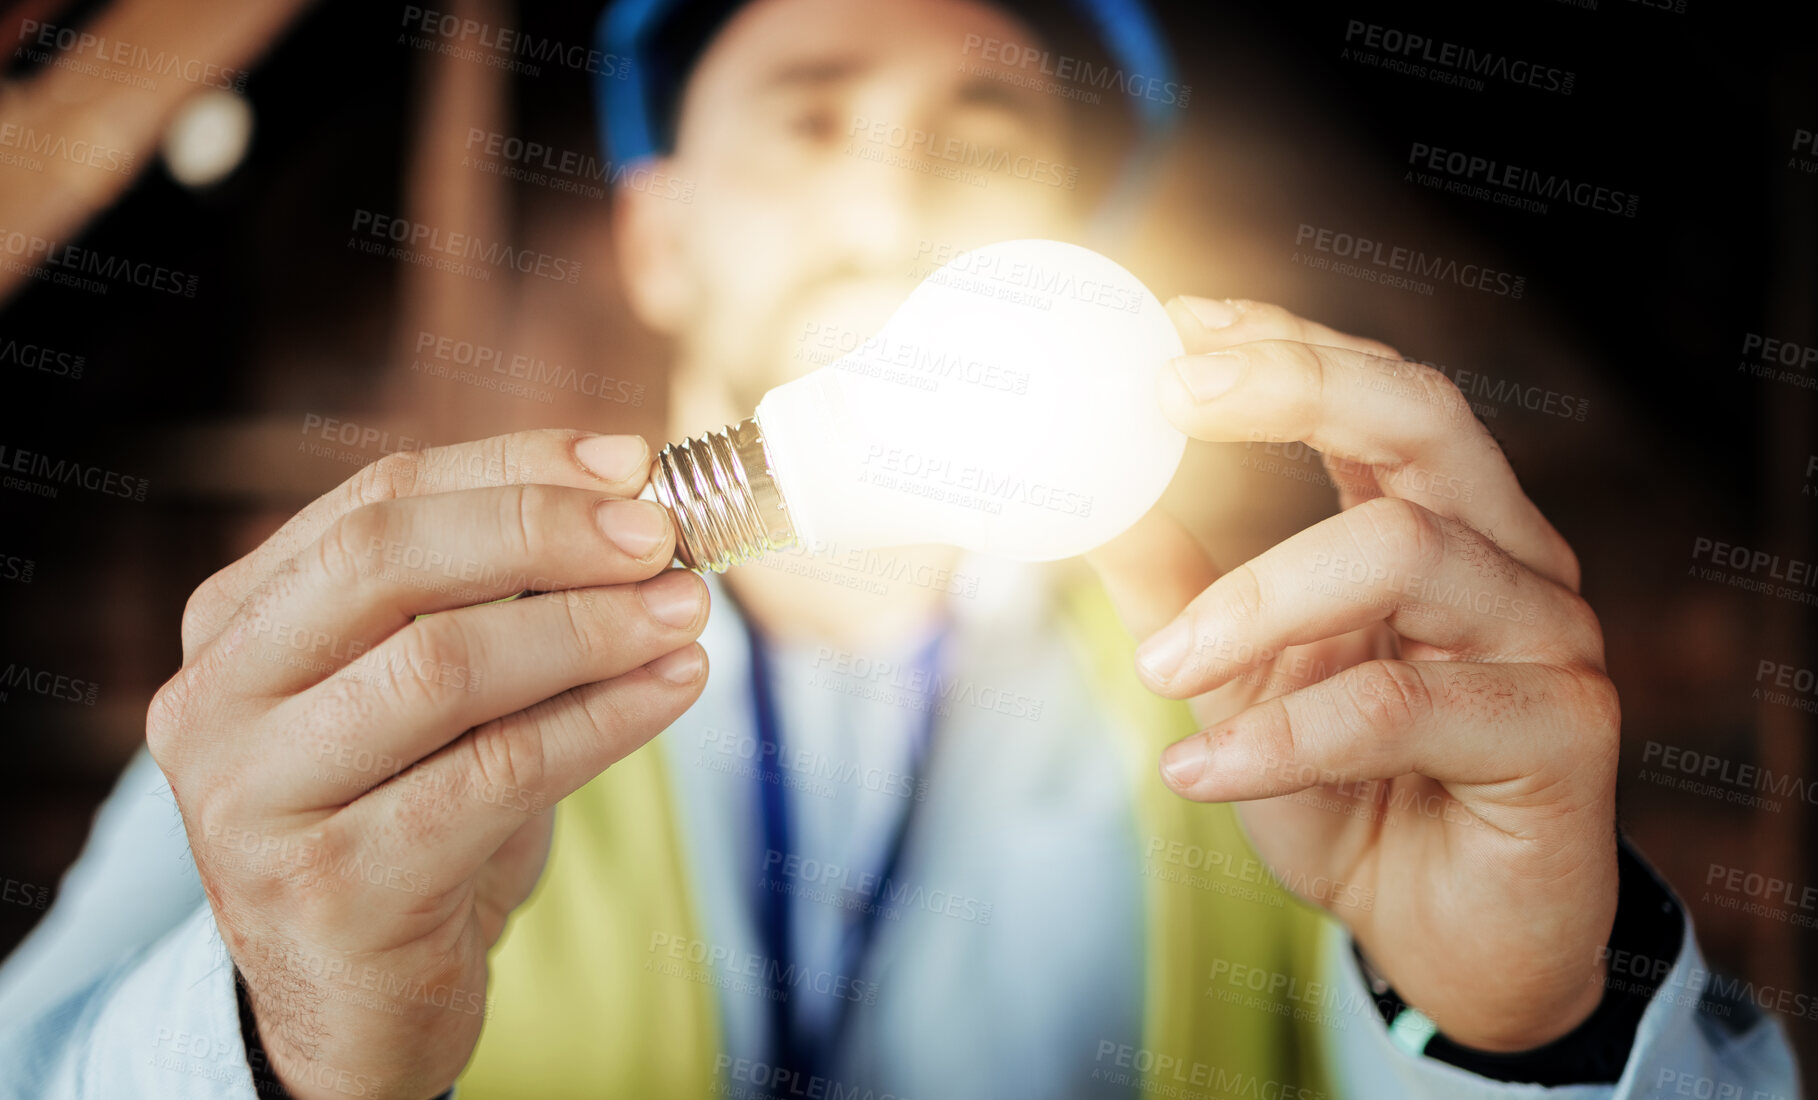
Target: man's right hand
363 789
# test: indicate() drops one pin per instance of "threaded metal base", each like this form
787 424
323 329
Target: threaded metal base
721 493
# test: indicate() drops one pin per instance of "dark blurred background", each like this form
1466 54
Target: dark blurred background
1640 325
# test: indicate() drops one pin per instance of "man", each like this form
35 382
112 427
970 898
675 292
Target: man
901 842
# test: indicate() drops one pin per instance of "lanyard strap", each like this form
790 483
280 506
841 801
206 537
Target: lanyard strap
792 1048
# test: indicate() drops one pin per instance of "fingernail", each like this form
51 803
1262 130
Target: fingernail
1162 654
1184 762
1210 375
674 598
613 457
681 667
1211 312
637 527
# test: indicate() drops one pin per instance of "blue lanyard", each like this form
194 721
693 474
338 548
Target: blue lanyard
792 1049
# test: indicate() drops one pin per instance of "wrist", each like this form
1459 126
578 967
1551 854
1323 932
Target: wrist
286 1058
1595 1047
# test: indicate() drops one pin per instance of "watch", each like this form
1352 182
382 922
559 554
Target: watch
1649 925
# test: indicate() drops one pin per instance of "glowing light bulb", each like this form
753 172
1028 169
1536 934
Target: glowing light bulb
1008 407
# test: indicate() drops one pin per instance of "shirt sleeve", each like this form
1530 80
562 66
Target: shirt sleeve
1701 1035
133 882
163 1024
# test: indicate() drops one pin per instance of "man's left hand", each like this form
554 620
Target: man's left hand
1408 699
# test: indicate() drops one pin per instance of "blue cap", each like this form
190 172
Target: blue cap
656 43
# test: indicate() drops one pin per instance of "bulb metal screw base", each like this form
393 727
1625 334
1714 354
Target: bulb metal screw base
721 492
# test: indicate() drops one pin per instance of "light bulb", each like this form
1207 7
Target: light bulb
1007 407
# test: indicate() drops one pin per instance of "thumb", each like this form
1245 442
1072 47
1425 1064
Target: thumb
1152 571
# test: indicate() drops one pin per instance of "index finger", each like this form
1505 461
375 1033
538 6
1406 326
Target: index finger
1400 425
615 464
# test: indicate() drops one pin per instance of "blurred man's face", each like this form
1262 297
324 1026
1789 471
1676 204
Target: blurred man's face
839 151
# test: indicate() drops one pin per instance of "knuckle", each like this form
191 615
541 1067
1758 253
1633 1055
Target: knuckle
394 475
1305 358
167 716
204 607
1431 379
1403 531
1277 735
1583 631
344 551
508 459
609 713
1564 564
313 867
1387 697
507 756
430 654
1597 700
1241 596
1439 395
592 633
344 702
1295 374
1266 316
519 523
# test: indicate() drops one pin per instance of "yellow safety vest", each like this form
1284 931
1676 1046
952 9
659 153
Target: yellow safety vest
580 1005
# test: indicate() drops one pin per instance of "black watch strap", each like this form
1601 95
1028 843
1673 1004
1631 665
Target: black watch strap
1649 927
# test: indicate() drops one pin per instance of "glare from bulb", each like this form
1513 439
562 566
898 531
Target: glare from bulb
208 137
1007 407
